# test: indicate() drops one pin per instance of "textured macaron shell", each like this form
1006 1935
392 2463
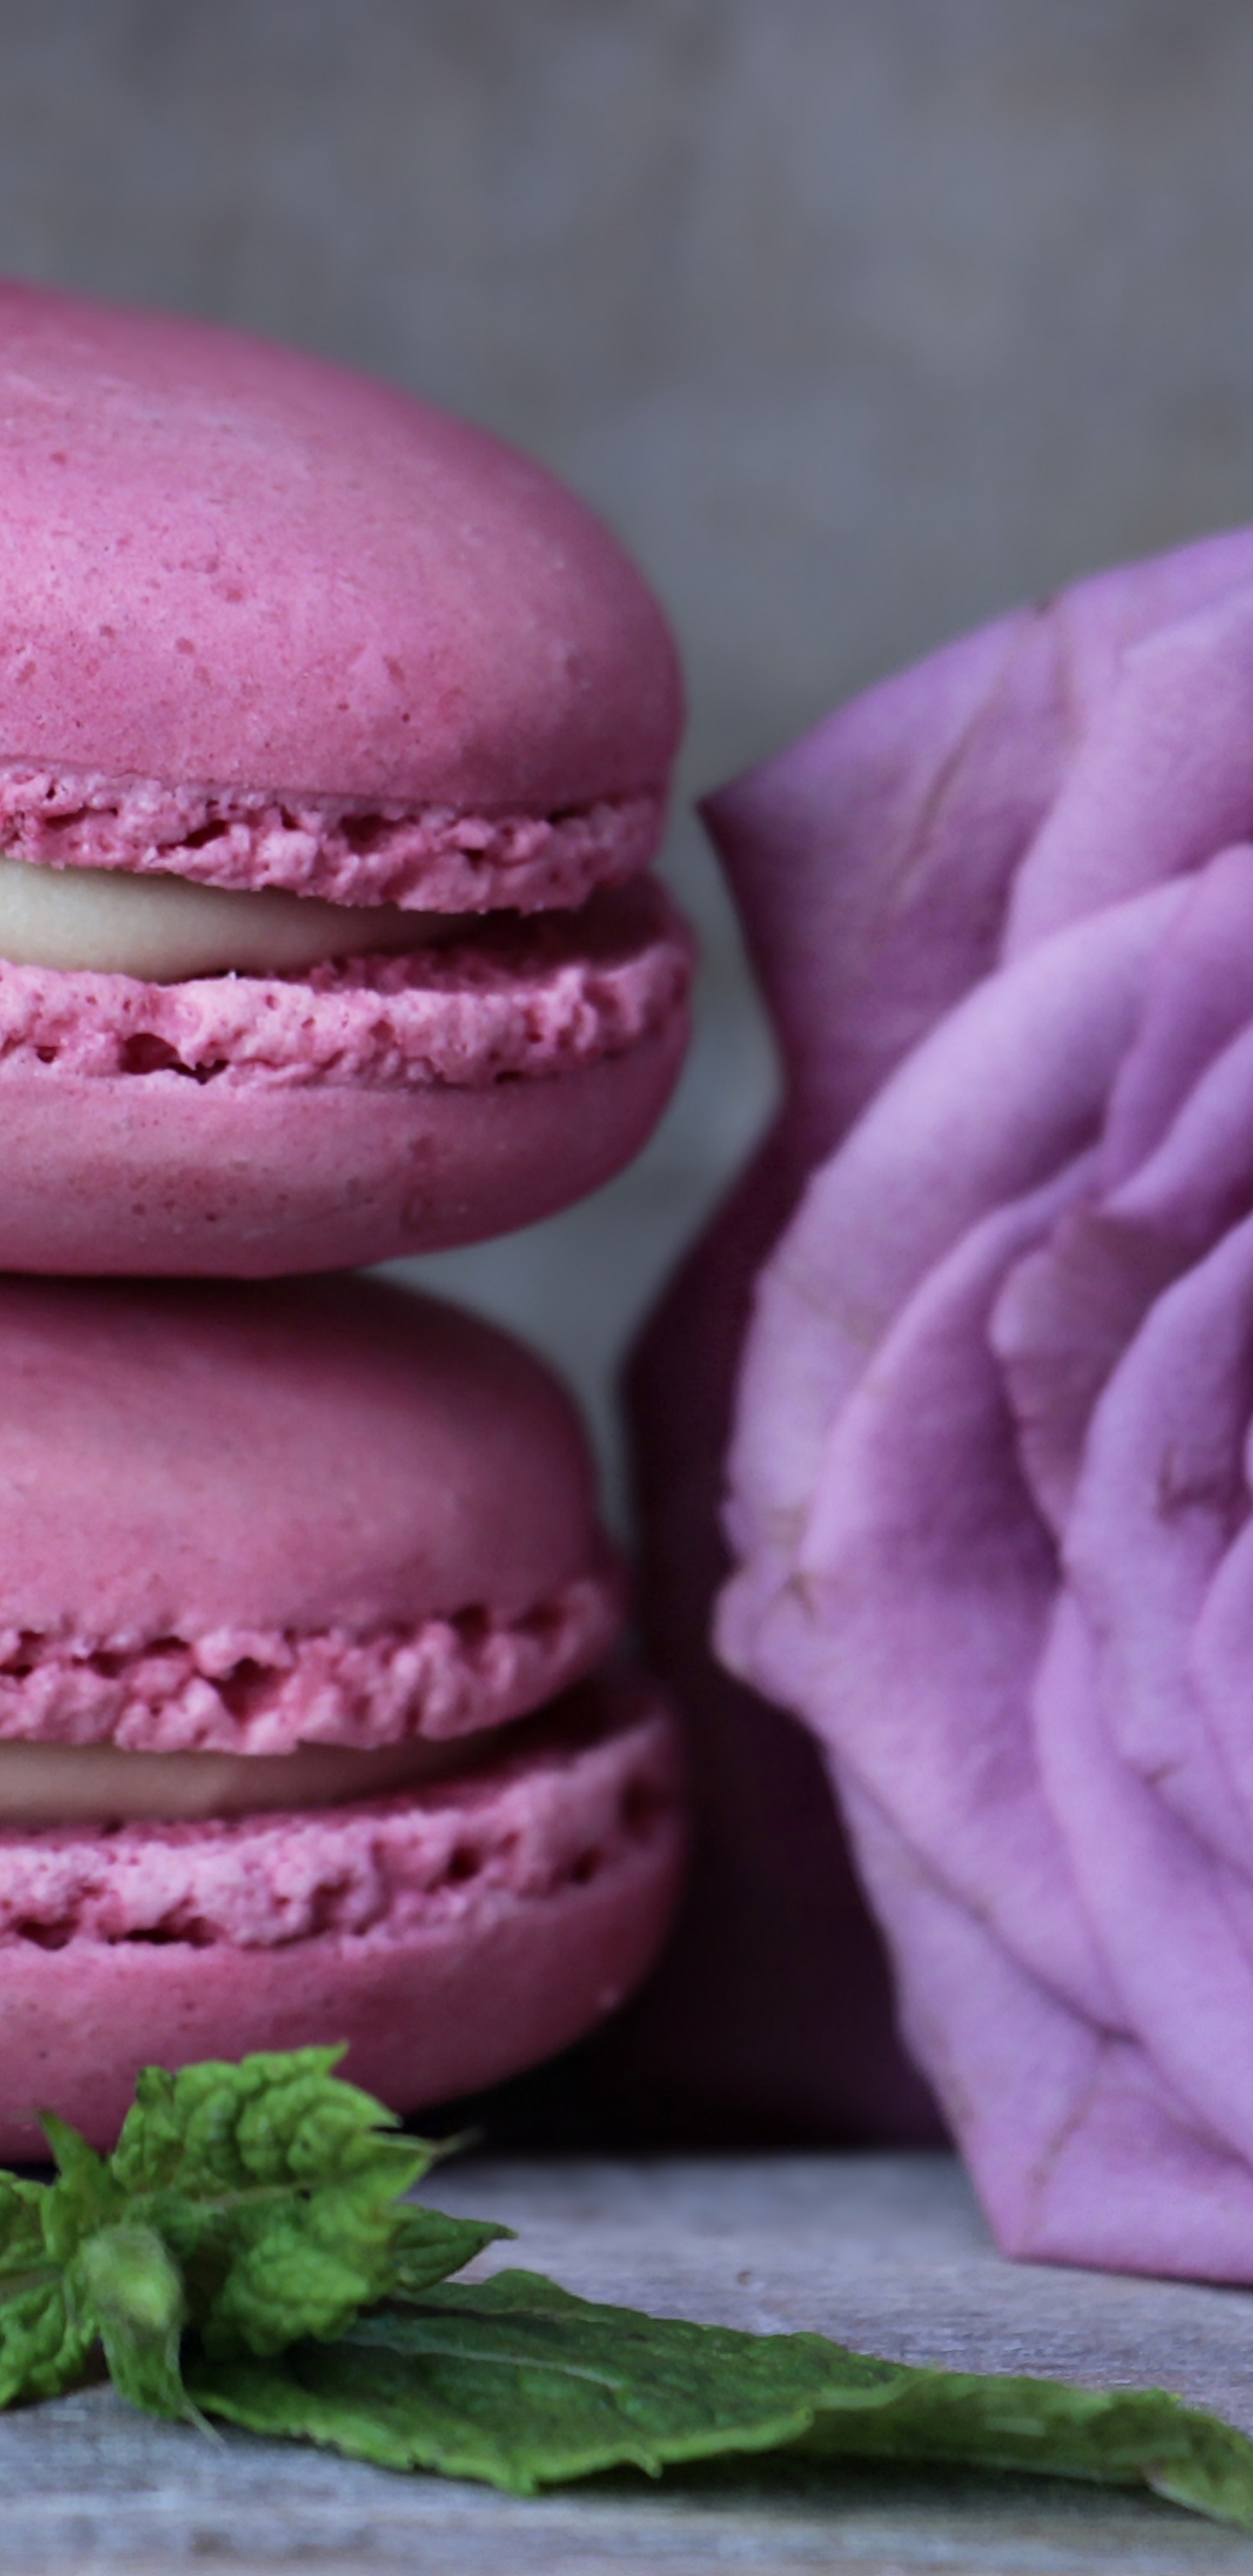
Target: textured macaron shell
350 851
230 564
151 1172
451 1937
191 1464
264 1691
247 1126
506 998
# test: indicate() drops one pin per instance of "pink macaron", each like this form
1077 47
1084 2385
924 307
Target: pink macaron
334 746
305 1726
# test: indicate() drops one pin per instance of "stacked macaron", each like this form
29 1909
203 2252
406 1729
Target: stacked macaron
334 742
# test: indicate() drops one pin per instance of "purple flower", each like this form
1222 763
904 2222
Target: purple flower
990 1480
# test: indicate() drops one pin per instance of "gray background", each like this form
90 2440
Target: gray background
857 318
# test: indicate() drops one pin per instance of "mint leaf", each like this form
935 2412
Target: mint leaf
115 2282
245 2247
46 2336
257 2203
43 2347
517 2382
66 2281
274 2185
1132 2437
125 2279
23 2247
85 2194
427 2245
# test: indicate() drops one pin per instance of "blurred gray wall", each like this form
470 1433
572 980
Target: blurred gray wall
856 317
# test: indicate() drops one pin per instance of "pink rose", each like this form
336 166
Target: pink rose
991 1471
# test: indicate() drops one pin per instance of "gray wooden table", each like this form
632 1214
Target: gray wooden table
882 2251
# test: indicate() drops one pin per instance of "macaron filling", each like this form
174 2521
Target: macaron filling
164 929
586 1785
47 1785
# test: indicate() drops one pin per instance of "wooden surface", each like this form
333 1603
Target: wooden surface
882 2251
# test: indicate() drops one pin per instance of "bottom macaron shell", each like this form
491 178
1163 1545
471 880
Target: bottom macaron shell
166 1176
452 1986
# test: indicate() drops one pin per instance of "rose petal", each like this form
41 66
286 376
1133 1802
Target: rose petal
876 861
872 859
1220 1666
926 1161
1100 619
1220 1658
1183 1096
1081 2151
1200 1179
1161 781
1161 1494
920 1604
1174 1921
1200 997
1063 1317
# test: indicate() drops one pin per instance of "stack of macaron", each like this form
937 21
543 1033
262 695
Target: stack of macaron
334 744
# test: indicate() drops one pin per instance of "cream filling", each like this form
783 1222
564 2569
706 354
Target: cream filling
96 1784
163 929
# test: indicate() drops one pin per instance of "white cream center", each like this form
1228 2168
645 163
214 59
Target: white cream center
163 929
96 1784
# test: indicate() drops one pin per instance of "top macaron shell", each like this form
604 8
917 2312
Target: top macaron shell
225 561
180 1458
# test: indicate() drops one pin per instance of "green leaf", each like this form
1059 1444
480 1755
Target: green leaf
252 2211
515 2381
427 2245
84 2195
125 2279
257 2203
22 2241
1133 2437
48 2325
44 2348
45 2338
275 2187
